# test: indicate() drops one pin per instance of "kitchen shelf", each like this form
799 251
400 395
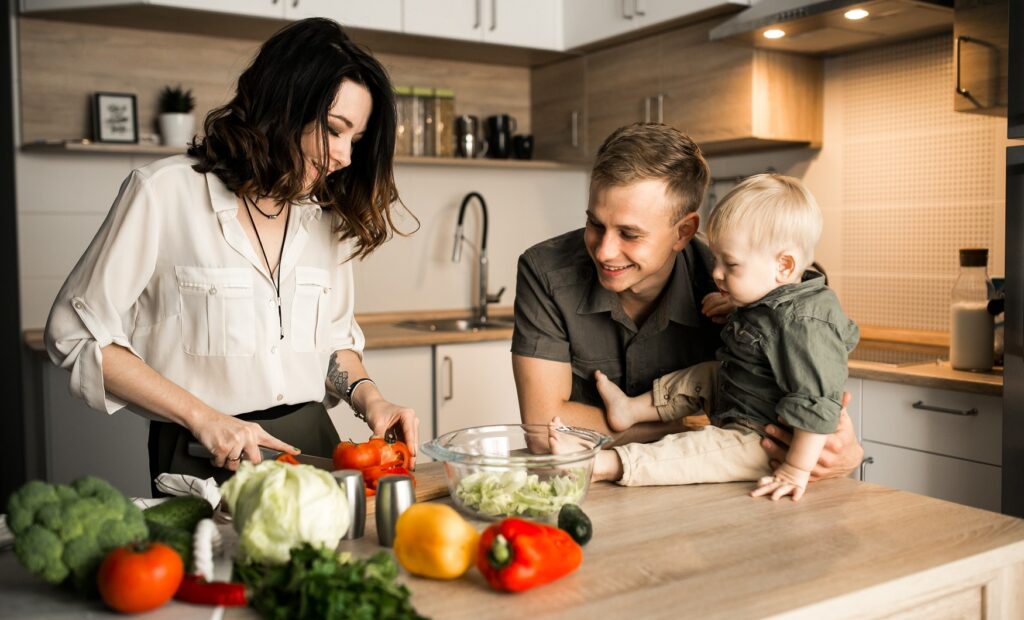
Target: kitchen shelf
150 149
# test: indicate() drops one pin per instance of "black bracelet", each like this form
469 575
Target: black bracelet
351 390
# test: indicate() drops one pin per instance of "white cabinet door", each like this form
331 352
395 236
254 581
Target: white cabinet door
650 12
955 480
450 19
526 23
586 21
404 377
257 8
474 385
854 387
376 15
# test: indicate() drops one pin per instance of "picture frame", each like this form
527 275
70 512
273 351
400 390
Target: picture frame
115 118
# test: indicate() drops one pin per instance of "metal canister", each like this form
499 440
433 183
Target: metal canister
351 483
394 495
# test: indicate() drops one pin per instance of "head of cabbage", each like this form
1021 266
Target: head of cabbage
276 507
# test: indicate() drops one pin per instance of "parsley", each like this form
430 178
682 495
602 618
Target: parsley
316 583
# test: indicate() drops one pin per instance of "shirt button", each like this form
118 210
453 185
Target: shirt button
79 305
273 349
213 291
280 397
271 301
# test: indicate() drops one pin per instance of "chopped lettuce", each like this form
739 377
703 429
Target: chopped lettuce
516 492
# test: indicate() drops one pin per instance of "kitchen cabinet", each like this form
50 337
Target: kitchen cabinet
524 23
980 56
558 111
589 21
377 15
727 98
942 443
254 8
474 385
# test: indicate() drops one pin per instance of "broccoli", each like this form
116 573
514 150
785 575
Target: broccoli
63 532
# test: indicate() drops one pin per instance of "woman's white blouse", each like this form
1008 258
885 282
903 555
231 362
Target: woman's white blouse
172 277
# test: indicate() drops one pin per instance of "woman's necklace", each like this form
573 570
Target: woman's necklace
280 255
269 216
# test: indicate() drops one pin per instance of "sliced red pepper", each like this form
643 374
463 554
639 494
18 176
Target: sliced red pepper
198 591
287 458
372 474
516 554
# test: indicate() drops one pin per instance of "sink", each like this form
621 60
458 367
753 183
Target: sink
455 325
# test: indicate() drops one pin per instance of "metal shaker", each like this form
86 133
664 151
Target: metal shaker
394 495
351 483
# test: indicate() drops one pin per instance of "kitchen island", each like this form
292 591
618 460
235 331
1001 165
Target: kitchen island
847 550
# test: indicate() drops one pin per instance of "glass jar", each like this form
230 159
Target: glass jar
403 130
444 121
971 326
423 122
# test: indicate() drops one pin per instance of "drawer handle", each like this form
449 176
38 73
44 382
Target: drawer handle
864 467
965 412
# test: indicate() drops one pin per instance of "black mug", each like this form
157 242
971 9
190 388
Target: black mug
522 146
499 135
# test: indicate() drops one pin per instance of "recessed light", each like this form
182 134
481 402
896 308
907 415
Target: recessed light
856 14
774 33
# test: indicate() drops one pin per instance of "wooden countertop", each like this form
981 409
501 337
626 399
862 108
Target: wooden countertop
382 332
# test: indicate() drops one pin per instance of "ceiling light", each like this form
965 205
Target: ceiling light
856 14
774 33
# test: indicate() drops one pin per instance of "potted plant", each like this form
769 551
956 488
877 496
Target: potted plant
177 123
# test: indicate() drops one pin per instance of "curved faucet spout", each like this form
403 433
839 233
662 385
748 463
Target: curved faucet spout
484 297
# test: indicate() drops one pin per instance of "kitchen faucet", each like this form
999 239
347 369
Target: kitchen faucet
483 297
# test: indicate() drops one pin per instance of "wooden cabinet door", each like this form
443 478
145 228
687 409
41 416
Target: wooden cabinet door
942 477
622 83
981 64
377 15
474 385
558 111
525 23
587 21
450 19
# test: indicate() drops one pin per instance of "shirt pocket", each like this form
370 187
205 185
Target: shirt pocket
217 311
584 386
310 309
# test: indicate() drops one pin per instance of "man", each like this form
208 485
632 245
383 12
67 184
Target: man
630 295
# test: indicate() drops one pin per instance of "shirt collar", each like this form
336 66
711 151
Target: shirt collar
810 281
223 201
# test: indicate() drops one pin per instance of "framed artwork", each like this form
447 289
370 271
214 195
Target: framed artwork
114 118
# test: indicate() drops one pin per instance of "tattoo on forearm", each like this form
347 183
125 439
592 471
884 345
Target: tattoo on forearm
338 378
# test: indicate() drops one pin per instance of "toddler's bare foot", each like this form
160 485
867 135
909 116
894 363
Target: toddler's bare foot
607 466
620 409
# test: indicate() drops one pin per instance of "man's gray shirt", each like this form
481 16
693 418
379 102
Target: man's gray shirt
563 314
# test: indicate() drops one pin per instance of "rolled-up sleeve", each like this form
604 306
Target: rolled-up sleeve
95 306
810 365
540 329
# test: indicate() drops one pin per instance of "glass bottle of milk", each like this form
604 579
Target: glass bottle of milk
970 338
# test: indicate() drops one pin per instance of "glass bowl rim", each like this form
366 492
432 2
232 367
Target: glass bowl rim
435 449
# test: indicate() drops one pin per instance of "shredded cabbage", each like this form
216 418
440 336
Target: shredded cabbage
516 492
277 506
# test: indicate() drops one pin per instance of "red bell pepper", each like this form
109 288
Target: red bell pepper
516 554
197 591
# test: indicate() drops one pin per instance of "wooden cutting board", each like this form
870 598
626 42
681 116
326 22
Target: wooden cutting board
430 484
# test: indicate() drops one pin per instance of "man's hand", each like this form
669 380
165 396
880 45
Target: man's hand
717 306
841 455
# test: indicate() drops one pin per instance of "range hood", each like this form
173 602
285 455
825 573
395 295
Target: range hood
821 26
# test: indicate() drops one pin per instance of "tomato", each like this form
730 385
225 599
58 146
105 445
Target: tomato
141 577
287 458
397 453
349 455
372 474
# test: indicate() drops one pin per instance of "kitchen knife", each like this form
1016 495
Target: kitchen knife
198 450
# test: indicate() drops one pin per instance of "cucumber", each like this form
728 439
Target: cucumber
573 520
176 538
182 513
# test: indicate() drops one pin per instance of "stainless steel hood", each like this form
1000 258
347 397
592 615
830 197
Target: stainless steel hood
821 27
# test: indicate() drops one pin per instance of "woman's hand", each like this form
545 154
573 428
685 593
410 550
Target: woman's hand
717 306
383 416
230 440
840 456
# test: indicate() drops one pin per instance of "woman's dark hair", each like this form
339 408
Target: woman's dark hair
253 143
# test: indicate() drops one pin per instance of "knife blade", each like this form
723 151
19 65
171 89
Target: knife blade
198 450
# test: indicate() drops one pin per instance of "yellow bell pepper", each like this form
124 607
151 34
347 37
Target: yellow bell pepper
433 540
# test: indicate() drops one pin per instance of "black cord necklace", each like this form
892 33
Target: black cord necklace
269 216
280 255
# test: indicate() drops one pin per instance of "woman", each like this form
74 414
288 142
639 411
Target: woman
217 297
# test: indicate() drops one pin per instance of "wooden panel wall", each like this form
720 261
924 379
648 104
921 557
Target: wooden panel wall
62 63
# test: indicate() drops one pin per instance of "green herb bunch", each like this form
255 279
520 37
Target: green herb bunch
176 100
317 584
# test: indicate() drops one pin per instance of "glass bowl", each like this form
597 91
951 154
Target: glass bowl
514 470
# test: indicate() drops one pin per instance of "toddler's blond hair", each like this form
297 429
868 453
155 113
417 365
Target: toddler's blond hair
777 211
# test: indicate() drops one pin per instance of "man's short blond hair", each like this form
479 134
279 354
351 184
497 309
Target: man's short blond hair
644 151
777 211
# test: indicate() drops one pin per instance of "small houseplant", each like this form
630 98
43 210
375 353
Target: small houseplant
177 123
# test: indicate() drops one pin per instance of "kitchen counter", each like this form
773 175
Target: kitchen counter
848 549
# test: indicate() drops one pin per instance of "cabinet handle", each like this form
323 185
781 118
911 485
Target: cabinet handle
449 369
476 15
295 4
637 9
965 412
575 129
960 90
864 466
647 109
661 107
494 15
626 12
